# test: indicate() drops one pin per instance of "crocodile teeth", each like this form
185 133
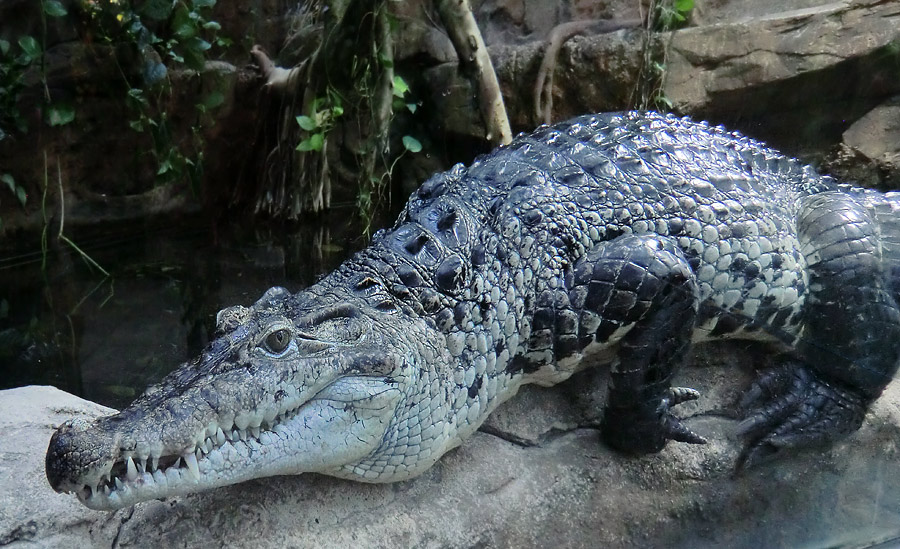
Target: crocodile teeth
255 431
159 477
191 461
172 475
154 463
119 483
131 470
220 436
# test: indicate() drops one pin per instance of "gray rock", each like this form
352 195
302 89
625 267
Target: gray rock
876 136
716 67
536 475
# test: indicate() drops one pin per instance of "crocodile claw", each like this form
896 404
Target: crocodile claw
643 431
673 428
789 407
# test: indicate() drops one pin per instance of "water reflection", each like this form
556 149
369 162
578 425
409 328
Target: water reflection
106 339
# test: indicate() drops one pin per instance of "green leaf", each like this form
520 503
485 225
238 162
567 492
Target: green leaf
10 182
684 6
306 123
54 9
400 86
313 143
412 107
317 141
182 25
164 167
214 99
136 125
198 44
203 3
411 144
4 47
336 111
194 59
20 194
30 46
212 25
60 114
137 94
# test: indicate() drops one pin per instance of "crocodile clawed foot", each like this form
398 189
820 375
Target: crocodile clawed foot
646 429
789 407
673 428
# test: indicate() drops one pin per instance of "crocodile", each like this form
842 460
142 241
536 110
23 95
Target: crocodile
612 239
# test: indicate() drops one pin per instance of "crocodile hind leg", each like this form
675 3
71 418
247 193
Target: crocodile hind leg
850 343
639 292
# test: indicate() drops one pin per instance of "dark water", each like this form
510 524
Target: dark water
65 324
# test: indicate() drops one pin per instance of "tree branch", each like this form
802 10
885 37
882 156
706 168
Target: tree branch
457 17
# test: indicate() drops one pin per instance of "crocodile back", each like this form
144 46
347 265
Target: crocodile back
485 251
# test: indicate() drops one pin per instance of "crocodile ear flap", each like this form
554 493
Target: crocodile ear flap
270 295
230 318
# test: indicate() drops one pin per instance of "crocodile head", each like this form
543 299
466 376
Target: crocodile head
292 384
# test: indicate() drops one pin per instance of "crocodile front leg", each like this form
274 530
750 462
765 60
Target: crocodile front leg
639 292
850 344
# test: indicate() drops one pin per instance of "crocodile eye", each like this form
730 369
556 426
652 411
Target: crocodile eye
277 341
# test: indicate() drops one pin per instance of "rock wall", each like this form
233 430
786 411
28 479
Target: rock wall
797 74
536 475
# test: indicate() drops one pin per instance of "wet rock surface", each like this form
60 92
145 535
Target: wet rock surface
535 475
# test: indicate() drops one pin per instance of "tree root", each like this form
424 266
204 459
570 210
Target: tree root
277 78
543 86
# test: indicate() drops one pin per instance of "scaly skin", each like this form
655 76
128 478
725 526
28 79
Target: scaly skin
606 240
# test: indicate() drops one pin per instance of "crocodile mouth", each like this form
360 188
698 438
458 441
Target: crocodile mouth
138 476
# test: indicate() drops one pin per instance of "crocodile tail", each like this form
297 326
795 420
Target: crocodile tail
885 210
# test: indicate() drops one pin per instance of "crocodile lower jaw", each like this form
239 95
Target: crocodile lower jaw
224 457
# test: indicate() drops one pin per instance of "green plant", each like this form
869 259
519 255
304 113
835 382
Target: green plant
673 14
323 113
163 36
14 63
371 191
664 16
12 70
